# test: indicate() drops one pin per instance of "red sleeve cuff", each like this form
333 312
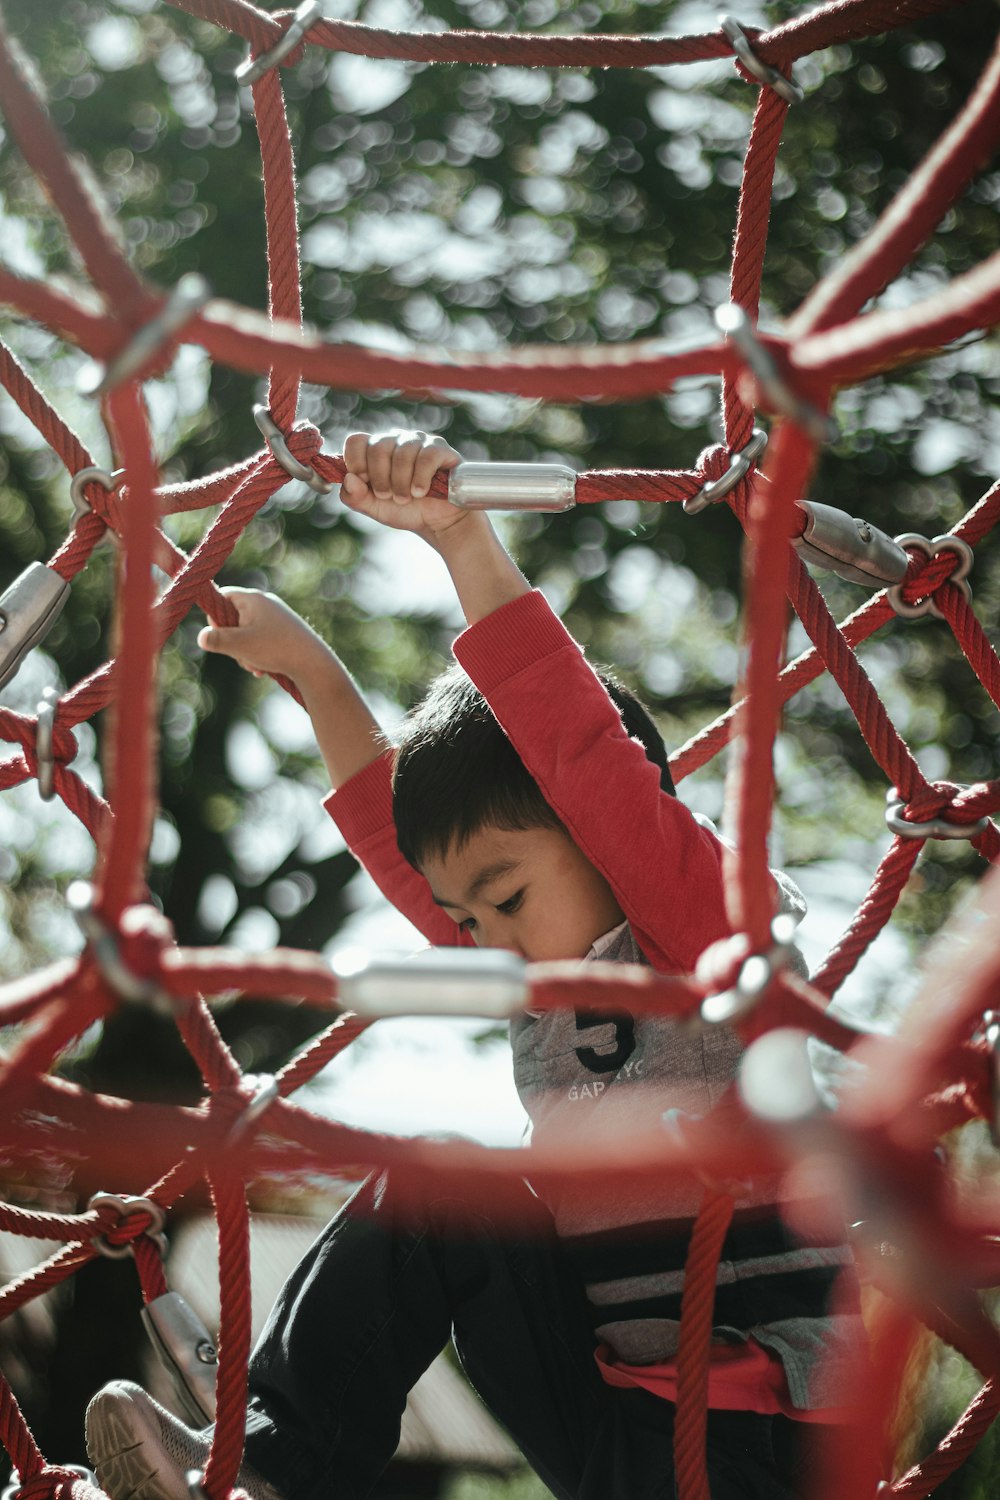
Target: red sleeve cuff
513 637
363 805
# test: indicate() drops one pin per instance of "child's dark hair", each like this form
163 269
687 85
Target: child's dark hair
456 771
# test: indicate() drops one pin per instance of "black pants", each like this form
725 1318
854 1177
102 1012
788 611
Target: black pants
378 1297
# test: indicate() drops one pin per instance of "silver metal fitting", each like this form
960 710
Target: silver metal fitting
28 610
486 982
754 977
740 465
124 1207
735 323
253 68
103 944
45 715
92 475
959 576
263 1090
849 546
784 87
187 1351
188 297
521 486
281 452
932 828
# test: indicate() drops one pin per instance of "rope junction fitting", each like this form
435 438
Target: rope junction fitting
44 756
280 451
849 546
931 828
28 610
756 974
125 1208
187 298
736 324
260 1093
740 465
932 549
15 1490
92 475
762 71
514 486
253 68
104 946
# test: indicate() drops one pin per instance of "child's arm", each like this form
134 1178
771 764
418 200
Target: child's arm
271 638
388 478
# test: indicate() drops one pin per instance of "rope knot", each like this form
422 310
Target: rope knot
712 462
56 1482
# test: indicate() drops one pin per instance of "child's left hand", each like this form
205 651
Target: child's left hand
388 477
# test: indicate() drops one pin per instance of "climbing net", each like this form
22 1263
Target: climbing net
937 1251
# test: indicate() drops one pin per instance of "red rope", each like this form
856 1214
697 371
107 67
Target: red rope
693 1355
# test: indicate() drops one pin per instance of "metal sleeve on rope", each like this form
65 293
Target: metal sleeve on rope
442 982
188 297
103 944
518 486
282 454
932 549
784 87
740 465
253 68
849 546
735 323
92 475
28 610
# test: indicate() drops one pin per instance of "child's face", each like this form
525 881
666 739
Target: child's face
529 890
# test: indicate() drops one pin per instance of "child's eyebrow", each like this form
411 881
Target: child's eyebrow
482 878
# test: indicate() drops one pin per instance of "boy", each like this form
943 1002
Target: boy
518 813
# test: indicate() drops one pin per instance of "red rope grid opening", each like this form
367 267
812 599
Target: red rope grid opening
936 1075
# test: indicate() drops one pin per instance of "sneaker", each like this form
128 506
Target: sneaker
139 1449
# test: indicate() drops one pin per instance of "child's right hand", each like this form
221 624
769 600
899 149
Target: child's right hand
388 477
270 639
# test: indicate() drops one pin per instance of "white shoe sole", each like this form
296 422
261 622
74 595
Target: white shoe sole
126 1449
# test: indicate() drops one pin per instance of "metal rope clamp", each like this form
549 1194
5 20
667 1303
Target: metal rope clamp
762 71
93 475
932 549
28 610
736 324
849 546
253 68
519 486
282 454
187 298
755 975
931 828
103 944
187 1350
740 465
125 1207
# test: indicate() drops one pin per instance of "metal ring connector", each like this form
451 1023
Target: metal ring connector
755 975
784 87
932 828
125 1207
932 549
280 451
253 68
740 465
92 475
188 297
45 714
735 323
